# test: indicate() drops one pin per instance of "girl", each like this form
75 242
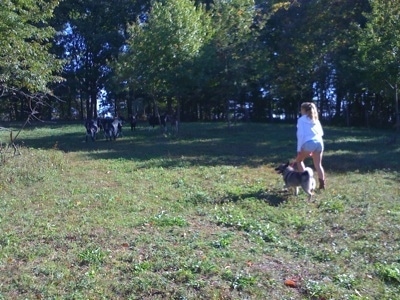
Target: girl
309 140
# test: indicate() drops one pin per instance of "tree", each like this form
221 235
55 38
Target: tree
289 73
311 52
26 66
237 52
93 32
25 40
162 48
379 48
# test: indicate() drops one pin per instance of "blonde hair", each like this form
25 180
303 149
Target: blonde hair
311 110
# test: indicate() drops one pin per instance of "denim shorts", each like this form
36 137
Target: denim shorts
313 146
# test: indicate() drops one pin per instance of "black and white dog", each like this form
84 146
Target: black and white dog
294 179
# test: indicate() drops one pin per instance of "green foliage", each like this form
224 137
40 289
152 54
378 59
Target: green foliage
316 289
162 48
223 242
141 267
92 34
389 272
239 280
91 256
25 41
234 38
379 43
198 197
378 50
333 205
180 53
230 217
346 280
164 220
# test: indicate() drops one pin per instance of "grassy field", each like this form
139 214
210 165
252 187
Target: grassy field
196 215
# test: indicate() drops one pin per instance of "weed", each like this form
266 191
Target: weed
91 256
231 217
389 272
316 289
224 241
239 280
164 220
198 197
334 205
141 267
347 281
203 266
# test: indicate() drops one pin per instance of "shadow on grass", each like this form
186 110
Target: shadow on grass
272 198
212 144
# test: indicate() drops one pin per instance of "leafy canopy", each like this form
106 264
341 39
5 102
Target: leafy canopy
172 36
25 41
379 44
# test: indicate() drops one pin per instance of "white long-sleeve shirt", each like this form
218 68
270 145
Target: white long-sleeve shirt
308 130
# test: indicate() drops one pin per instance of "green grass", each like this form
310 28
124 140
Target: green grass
196 215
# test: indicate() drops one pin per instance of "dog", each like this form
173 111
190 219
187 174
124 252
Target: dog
294 179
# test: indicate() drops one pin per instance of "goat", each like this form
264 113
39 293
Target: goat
112 128
92 128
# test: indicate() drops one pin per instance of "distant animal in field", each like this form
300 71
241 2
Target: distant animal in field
293 179
173 120
155 120
112 128
133 121
92 128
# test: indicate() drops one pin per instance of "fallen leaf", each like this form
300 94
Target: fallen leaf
290 283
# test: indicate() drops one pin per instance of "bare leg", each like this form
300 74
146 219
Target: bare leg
301 156
317 160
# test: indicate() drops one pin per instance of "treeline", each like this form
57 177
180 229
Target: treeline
203 60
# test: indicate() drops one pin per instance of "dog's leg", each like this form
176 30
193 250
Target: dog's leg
296 190
286 188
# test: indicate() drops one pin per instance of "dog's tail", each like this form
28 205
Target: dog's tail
308 176
308 173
